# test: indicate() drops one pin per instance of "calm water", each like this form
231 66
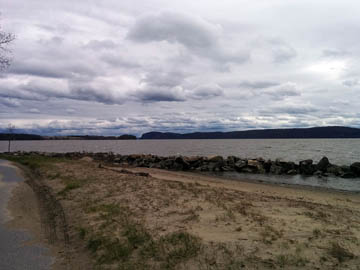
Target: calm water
339 151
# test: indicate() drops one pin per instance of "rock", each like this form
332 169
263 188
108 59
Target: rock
240 165
276 169
292 172
335 170
306 167
181 161
348 175
323 164
255 166
216 159
87 159
267 165
355 168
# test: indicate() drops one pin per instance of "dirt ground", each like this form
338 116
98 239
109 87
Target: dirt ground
137 218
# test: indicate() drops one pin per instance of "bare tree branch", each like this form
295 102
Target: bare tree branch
5 40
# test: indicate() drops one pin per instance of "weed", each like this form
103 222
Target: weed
269 234
69 186
340 253
284 260
82 233
177 247
136 235
316 233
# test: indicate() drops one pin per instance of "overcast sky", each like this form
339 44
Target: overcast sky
114 67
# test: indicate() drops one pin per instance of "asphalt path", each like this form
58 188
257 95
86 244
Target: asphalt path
15 251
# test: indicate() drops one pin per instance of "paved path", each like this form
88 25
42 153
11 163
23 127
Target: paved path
15 254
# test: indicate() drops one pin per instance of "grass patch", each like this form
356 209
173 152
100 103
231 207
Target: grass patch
340 253
70 186
284 260
269 234
33 162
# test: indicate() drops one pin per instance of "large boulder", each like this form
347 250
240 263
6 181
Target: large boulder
255 166
323 164
180 162
240 165
215 159
276 169
306 167
355 168
335 170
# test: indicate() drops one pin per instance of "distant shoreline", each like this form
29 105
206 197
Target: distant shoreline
331 132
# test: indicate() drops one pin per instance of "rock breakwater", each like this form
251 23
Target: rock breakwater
322 168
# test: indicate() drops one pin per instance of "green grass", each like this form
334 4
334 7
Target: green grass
70 186
33 162
340 253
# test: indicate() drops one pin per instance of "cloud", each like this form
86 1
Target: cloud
9 102
175 94
291 109
258 84
100 45
351 82
282 91
207 92
282 52
335 53
196 34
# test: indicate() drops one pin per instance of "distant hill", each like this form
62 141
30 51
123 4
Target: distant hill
288 133
25 137
19 137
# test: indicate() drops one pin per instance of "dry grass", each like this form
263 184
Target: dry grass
129 221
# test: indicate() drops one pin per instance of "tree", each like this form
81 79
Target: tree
11 135
5 40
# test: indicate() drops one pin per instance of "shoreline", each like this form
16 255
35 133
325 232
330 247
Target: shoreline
241 223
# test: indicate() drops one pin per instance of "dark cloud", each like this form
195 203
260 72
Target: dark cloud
9 102
156 95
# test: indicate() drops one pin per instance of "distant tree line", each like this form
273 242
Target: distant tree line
290 133
28 137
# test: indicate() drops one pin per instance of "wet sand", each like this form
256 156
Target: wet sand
19 248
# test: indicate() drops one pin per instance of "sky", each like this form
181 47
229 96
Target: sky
115 67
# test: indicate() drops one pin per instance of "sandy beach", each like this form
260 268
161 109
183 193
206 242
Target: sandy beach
138 218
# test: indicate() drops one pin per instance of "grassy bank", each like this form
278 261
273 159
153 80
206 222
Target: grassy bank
171 220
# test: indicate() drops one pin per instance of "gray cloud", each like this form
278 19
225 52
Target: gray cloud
197 35
157 95
282 52
258 84
292 109
188 69
207 91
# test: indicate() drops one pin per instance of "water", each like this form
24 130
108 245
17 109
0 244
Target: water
15 254
339 151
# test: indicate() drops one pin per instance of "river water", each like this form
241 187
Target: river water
15 254
339 151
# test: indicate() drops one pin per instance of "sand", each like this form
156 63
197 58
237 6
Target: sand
226 224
